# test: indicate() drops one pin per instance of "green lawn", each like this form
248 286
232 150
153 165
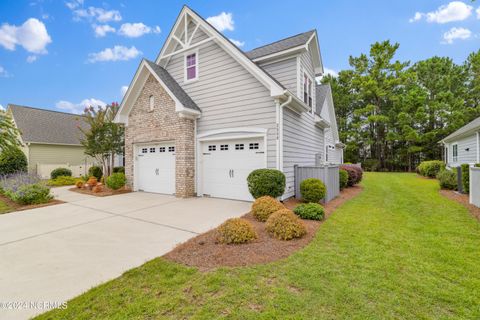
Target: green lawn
399 250
4 208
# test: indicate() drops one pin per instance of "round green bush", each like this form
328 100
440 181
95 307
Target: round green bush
60 172
236 231
116 180
430 168
12 160
264 206
96 172
30 194
312 190
447 179
266 182
310 211
343 178
285 225
119 169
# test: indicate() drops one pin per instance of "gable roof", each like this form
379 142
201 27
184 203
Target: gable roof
469 128
321 92
280 45
173 86
324 99
47 126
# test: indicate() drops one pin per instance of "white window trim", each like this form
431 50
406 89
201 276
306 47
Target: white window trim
151 102
454 158
302 86
197 64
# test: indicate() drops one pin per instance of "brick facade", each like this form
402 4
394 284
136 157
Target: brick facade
162 124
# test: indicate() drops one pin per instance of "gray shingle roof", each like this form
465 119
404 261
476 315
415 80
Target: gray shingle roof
321 92
284 44
474 125
47 126
173 86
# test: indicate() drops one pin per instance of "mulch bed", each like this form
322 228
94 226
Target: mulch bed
20 207
206 254
463 199
105 193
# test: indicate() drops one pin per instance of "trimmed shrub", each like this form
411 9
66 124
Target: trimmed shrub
447 179
116 180
310 211
264 206
92 181
266 182
343 178
312 190
95 171
60 172
118 169
466 178
355 174
30 194
430 168
98 188
285 225
62 181
79 184
12 160
236 231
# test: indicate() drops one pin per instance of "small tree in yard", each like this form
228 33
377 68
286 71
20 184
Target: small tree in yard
8 132
103 138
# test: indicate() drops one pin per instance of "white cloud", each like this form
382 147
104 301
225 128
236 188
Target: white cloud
456 33
3 73
74 4
135 30
117 53
99 14
123 90
224 21
328 71
31 59
102 30
78 108
478 13
2 108
32 35
238 43
453 11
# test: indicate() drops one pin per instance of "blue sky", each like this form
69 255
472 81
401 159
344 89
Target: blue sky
61 55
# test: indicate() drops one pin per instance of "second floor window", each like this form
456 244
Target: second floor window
191 66
455 152
307 90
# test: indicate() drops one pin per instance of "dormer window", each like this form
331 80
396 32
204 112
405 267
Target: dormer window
307 90
152 102
191 65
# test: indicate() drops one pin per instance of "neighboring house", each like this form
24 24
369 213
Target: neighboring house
50 139
463 146
205 114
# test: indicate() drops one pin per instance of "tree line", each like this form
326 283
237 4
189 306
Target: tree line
392 114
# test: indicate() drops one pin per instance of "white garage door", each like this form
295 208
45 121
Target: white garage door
226 165
155 168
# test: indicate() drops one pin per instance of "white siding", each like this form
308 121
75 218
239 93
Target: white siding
470 156
306 66
334 155
302 140
285 71
228 94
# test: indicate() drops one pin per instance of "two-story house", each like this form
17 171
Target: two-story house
205 114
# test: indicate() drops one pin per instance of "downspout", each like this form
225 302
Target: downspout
280 131
478 146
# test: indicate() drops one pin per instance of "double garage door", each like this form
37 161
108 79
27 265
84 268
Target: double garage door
223 167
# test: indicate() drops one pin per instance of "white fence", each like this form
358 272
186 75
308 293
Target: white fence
44 170
475 186
328 174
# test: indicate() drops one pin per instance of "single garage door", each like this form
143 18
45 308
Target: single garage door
226 165
155 168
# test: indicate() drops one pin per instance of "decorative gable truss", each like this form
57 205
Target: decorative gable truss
184 37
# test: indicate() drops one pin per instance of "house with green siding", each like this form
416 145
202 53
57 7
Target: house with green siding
51 139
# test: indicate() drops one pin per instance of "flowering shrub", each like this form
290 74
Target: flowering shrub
12 182
24 188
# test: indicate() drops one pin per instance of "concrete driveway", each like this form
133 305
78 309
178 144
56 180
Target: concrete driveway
52 254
